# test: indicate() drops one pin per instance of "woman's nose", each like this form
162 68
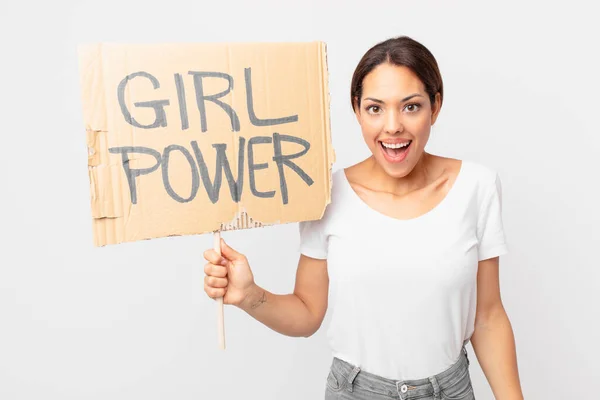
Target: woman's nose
393 123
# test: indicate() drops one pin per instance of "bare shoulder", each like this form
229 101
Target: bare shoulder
355 174
445 170
447 165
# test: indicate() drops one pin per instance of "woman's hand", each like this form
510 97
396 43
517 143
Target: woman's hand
228 276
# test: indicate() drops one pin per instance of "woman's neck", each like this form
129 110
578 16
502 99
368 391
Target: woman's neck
420 176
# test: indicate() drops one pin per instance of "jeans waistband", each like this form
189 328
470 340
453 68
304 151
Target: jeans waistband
403 389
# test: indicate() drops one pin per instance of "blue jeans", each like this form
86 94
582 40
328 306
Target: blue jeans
347 382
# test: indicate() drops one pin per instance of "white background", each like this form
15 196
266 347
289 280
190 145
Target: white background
132 321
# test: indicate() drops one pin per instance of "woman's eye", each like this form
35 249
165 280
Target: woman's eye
415 107
374 109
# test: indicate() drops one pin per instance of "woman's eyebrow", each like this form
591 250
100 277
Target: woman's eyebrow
403 100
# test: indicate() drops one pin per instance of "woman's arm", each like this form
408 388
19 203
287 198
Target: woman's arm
493 339
297 314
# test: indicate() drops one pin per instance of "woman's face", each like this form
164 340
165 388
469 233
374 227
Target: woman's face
395 110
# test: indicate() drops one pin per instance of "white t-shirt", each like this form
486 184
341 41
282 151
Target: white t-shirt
402 293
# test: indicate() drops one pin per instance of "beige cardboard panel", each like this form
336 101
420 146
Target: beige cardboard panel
92 87
287 80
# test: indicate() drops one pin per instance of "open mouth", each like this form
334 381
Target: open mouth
395 150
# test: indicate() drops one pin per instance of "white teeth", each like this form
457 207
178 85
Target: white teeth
395 145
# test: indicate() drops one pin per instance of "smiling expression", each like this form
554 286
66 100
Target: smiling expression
394 110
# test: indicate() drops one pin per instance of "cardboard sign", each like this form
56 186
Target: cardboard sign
192 138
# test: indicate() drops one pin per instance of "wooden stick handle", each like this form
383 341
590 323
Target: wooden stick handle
220 316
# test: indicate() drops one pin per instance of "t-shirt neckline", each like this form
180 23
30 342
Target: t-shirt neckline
439 207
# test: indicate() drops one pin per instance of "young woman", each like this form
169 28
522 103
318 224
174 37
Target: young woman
407 252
